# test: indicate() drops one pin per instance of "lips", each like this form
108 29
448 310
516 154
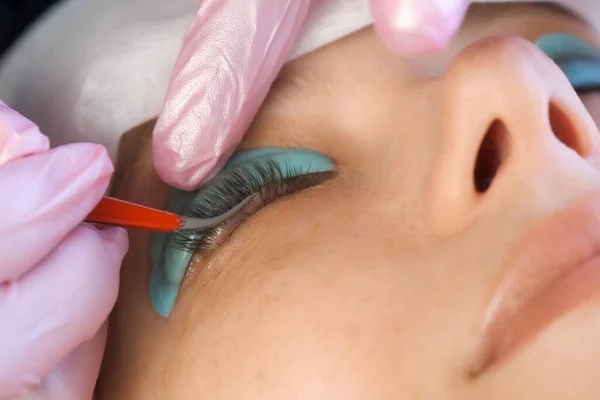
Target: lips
555 268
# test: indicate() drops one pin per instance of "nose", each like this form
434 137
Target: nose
514 134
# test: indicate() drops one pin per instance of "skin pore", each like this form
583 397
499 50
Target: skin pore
372 285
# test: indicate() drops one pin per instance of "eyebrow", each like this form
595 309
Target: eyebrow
558 8
291 78
129 153
553 6
492 10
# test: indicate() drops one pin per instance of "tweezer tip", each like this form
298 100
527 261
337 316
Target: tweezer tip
198 224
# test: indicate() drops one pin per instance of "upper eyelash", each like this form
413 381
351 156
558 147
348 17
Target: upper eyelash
238 185
587 89
269 181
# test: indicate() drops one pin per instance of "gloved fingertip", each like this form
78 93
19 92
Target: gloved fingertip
18 135
411 27
182 173
117 238
410 43
80 162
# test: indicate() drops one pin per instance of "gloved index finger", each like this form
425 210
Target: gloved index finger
230 57
18 136
417 26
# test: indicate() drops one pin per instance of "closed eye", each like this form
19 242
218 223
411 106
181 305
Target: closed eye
266 174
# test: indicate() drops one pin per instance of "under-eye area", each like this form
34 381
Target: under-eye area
265 175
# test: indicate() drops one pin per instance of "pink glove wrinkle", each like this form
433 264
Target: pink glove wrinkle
417 26
58 277
18 136
230 57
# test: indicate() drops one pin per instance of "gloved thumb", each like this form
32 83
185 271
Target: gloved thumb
417 26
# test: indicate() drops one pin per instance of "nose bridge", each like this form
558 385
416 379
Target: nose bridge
509 116
510 80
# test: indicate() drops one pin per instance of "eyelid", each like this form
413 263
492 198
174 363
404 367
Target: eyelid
170 263
213 237
579 61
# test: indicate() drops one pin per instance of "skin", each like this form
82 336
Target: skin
376 282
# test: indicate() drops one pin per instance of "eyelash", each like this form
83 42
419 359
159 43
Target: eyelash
587 90
269 181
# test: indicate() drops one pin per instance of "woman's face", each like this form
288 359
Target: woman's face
378 283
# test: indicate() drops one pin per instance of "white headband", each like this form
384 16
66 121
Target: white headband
330 20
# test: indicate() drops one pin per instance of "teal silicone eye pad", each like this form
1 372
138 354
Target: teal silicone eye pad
243 175
579 61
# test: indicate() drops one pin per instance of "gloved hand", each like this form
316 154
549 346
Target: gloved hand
58 277
209 106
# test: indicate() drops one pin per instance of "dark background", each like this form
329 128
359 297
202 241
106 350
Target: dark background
16 15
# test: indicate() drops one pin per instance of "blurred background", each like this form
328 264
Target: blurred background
16 16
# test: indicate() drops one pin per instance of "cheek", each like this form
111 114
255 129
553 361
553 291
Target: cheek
311 324
299 331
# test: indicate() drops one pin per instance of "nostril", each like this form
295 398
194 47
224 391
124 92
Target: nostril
492 153
563 128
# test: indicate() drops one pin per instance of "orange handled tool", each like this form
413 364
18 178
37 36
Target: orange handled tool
111 211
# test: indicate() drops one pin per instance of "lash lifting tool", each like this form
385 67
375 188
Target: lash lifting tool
111 211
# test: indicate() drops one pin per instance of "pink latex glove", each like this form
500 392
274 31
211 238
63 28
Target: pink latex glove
58 277
231 55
